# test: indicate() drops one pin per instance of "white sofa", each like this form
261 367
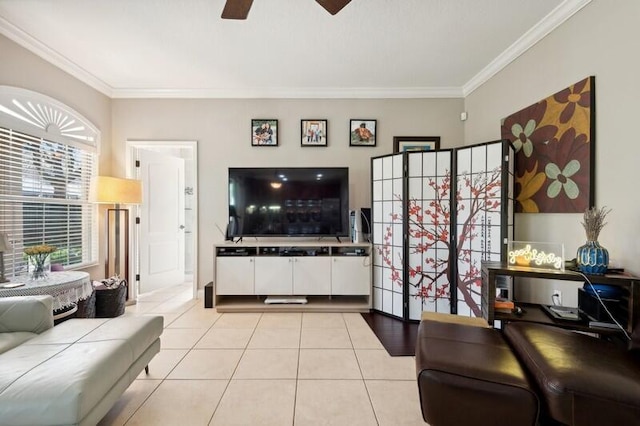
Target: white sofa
70 374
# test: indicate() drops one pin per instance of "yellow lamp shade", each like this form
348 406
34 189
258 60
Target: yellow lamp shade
112 190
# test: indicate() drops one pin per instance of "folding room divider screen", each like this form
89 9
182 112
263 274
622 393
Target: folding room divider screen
431 231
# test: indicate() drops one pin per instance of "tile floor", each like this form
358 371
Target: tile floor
265 369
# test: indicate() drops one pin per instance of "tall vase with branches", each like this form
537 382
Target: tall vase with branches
592 258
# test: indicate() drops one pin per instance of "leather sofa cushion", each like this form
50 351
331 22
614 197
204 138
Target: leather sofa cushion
139 332
12 340
62 374
583 380
33 314
469 375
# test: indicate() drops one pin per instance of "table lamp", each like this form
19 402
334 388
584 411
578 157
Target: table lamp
116 191
4 246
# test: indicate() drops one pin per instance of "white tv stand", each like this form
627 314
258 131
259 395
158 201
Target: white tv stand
329 276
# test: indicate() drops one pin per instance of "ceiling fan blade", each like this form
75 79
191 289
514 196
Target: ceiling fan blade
333 6
236 9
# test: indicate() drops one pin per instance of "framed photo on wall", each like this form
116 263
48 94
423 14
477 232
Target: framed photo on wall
362 132
264 132
313 132
416 143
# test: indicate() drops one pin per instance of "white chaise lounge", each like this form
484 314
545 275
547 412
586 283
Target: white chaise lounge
70 374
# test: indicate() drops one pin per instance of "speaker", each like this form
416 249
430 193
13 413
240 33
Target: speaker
366 221
360 221
208 295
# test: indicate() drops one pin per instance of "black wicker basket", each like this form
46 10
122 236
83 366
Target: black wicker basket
110 299
87 307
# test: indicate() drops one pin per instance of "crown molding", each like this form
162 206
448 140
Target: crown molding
550 22
554 19
45 52
293 93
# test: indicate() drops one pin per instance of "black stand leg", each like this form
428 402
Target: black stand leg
146 369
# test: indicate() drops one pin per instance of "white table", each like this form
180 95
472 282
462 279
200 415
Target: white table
66 287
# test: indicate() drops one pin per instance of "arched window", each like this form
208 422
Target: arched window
48 154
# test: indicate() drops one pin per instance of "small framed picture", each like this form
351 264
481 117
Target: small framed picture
363 132
313 132
416 143
264 132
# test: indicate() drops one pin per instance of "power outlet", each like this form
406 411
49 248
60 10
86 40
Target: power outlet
556 298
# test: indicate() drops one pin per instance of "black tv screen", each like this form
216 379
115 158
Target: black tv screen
289 201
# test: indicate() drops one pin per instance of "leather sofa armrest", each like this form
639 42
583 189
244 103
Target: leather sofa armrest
32 314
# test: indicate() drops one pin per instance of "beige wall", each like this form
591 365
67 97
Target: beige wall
21 68
599 40
223 130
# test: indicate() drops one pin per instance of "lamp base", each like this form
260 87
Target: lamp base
3 279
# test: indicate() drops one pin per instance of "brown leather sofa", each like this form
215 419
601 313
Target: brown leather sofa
468 375
582 380
526 375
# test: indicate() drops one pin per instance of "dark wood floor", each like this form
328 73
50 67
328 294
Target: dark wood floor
398 337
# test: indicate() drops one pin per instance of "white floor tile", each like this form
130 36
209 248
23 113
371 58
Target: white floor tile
275 338
325 338
378 364
237 320
162 364
322 320
180 338
333 402
268 364
207 364
129 402
328 364
257 402
395 402
225 338
180 402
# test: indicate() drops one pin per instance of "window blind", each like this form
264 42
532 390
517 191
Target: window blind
44 199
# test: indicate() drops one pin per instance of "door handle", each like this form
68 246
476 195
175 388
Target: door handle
181 227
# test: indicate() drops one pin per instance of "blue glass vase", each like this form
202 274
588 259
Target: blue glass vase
592 258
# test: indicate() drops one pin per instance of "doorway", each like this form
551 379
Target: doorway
164 243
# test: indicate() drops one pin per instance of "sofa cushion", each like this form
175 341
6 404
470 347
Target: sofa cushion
33 314
60 376
583 380
11 340
468 375
65 387
138 331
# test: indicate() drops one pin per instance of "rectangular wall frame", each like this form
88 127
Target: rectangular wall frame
436 216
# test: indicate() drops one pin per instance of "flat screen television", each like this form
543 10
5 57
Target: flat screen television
288 201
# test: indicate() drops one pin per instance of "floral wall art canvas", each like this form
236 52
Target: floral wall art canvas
555 155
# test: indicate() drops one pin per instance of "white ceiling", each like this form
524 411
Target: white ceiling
286 48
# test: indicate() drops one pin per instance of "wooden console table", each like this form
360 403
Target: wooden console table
534 312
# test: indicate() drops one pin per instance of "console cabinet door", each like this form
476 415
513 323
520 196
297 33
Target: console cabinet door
234 275
351 275
274 276
311 276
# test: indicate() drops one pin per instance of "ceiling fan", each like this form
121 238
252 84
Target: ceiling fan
239 9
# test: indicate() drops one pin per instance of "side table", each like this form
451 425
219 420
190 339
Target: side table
66 288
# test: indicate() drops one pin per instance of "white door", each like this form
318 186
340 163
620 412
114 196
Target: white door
161 220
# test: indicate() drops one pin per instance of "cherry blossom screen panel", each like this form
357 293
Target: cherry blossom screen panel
429 232
388 248
484 216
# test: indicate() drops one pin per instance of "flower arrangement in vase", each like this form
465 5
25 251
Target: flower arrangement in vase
37 257
592 258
